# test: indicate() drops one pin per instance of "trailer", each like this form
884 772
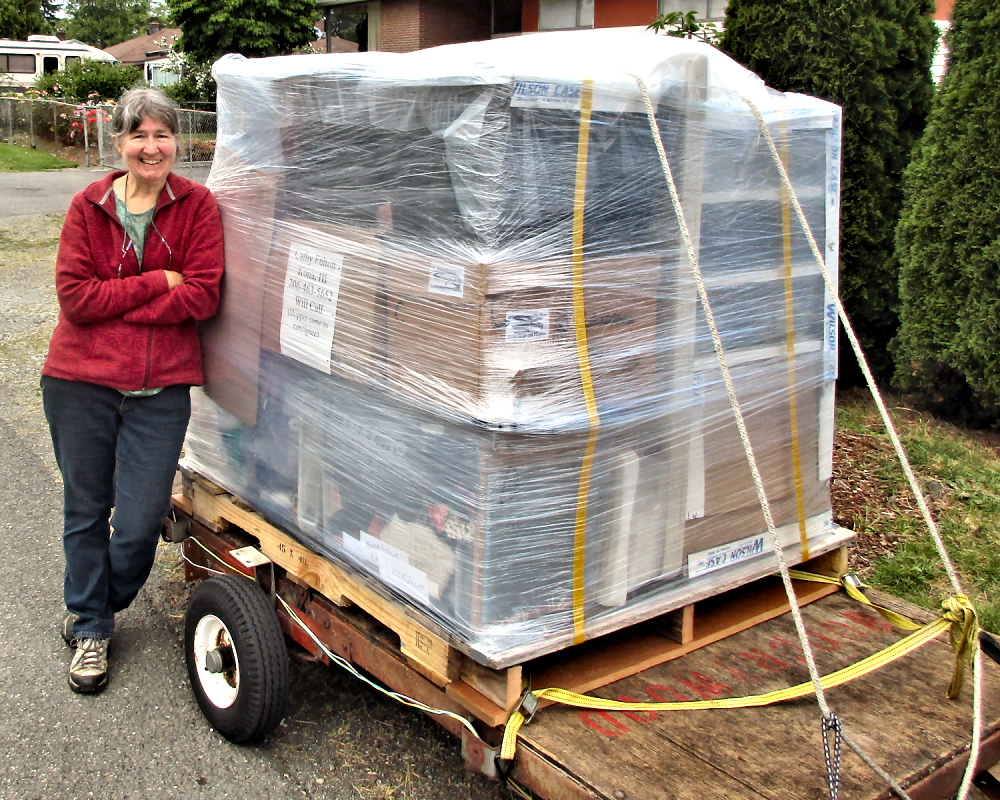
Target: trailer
738 643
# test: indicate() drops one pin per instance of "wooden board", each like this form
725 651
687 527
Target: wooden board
425 649
899 715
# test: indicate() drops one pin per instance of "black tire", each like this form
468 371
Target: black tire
245 699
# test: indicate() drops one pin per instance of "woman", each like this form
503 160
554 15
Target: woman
140 260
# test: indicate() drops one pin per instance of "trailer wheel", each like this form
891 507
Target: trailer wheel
236 658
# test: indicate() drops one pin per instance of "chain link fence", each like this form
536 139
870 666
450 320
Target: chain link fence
82 133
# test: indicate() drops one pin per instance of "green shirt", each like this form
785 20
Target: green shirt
136 227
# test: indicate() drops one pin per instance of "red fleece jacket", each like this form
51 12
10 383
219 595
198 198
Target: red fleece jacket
132 332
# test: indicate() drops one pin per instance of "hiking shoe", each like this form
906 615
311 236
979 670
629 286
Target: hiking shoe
88 673
67 628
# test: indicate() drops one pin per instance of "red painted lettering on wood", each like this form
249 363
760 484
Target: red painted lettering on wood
703 686
588 719
764 660
844 631
740 675
654 689
650 715
870 621
781 643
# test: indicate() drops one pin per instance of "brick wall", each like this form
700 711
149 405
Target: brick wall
400 25
450 21
409 25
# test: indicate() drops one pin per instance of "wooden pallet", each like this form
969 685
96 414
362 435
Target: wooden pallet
491 695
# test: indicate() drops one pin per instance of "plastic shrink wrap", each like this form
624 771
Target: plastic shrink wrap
461 348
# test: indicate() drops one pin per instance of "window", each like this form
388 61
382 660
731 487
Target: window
705 9
15 62
562 14
70 60
50 64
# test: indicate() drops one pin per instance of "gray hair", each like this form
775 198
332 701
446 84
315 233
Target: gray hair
137 104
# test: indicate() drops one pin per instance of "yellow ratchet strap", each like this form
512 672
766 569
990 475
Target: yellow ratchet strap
853 586
895 651
956 609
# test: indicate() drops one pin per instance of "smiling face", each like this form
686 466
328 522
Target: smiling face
148 151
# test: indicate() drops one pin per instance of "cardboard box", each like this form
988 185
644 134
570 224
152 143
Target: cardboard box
320 303
453 274
516 357
231 339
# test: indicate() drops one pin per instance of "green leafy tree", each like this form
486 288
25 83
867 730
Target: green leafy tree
253 28
685 25
873 58
102 23
22 18
949 234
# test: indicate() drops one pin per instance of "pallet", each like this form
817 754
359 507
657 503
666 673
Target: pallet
328 591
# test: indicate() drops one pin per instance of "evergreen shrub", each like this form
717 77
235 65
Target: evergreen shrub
872 57
948 237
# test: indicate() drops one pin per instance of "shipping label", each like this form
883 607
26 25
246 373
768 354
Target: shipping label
447 279
527 326
727 555
309 305
546 94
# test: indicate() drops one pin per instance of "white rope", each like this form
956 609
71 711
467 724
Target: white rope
896 443
874 766
737 412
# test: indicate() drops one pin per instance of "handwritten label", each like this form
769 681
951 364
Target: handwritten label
726 555
377 550
393 566
309 305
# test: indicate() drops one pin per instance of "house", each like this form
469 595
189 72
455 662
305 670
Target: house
942 18
401 26
149 52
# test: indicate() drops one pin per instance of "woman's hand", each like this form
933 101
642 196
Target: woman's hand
174 279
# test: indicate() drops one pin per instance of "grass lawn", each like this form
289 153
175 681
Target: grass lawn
18 158
959 472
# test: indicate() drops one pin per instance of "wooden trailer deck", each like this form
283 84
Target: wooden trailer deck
737 644
899 715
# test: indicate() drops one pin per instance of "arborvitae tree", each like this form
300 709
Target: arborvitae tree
253 28
949 235
873 58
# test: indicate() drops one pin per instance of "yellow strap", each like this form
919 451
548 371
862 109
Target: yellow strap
793 408
863 667
583 356
964 637
856 594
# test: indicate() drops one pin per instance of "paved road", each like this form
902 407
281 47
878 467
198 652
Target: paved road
145 737
26 193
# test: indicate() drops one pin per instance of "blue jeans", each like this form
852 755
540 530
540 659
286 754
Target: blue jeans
114 452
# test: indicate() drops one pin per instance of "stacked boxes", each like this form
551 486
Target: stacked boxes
461 347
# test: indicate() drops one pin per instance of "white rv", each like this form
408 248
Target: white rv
22 63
